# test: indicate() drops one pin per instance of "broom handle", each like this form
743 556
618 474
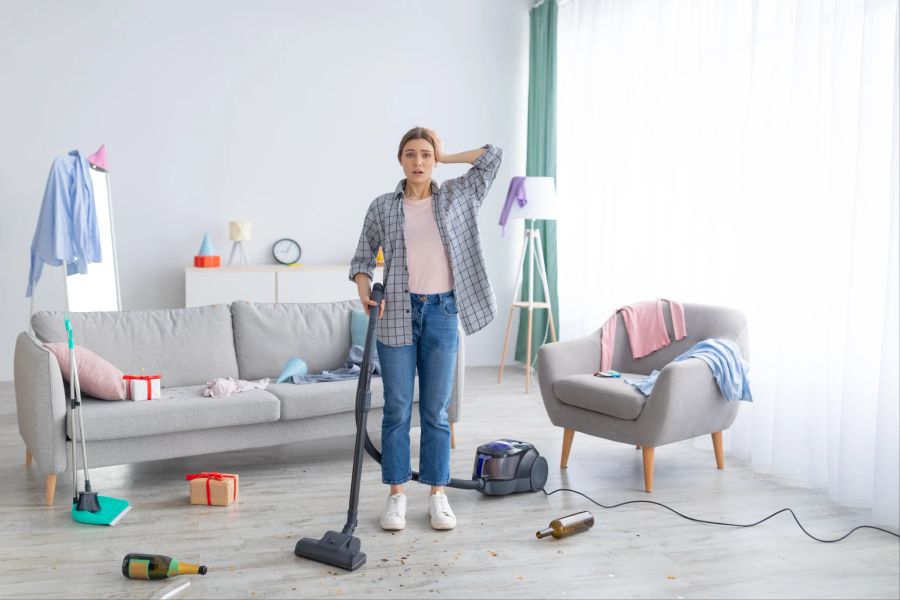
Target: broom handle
71 412
84 463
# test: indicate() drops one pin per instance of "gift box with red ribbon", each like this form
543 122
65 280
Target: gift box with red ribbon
142 387
213 488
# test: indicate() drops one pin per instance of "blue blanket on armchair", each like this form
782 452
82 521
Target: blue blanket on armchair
724 359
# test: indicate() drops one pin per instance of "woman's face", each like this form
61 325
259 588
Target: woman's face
417 159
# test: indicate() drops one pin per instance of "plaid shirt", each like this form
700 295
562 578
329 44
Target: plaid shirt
456 203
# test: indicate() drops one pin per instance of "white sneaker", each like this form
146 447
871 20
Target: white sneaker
394 516
439 510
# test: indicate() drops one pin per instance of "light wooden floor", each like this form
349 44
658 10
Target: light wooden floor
300 491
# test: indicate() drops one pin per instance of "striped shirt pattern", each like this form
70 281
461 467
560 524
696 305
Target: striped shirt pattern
456 203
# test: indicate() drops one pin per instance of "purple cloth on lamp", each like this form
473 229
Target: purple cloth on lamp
516 193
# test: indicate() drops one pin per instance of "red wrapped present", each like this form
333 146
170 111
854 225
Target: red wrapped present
143 387
213 488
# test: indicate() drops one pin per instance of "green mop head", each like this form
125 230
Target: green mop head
111 512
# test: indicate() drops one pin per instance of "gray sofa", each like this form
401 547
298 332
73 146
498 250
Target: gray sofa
684 403
189 346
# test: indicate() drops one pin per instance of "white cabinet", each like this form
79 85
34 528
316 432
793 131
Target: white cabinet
269 283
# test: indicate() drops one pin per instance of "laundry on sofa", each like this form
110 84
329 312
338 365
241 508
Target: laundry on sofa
350 370
221 387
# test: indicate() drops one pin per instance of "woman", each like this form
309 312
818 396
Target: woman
434 277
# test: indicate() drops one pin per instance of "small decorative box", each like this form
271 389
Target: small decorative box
207 261
212 488
142 387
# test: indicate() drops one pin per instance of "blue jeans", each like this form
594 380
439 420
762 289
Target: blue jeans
433 353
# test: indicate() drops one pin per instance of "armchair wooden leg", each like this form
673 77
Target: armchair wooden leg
452 436
27 457
568 434
717 446
51 489
648 468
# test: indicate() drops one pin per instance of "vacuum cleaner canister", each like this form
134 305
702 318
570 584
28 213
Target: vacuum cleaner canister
508 466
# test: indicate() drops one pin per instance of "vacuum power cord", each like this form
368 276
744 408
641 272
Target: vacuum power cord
721 523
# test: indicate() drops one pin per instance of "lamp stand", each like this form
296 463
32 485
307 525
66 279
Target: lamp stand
238 248
532 243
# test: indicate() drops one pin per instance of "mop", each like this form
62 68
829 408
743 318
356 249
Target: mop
87 506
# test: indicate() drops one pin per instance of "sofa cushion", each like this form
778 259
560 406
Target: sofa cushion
97 377
266 336
325 398
186 346
606 395
179 409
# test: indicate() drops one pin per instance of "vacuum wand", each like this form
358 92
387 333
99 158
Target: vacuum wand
343 549
363 403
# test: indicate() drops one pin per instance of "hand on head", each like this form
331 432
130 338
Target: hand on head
438 145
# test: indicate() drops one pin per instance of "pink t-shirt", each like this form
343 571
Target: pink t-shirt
429 267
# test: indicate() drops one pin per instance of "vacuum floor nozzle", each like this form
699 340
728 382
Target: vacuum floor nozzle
335 548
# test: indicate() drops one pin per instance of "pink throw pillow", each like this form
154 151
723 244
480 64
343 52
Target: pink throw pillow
98 377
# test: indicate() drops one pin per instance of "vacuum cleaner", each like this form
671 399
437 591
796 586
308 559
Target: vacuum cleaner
501 467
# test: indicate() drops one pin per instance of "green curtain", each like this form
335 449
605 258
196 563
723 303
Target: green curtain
541 162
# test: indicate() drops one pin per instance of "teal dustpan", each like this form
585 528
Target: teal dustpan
111 511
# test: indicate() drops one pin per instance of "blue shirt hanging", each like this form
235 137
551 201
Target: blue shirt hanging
67 230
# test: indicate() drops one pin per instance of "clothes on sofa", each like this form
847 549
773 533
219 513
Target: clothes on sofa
228 386
645 323
350 370
67 229
725 361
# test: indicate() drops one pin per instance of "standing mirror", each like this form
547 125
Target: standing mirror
98 289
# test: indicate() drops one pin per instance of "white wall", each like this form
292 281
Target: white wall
283 113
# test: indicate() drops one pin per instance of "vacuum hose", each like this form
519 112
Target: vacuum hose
363 395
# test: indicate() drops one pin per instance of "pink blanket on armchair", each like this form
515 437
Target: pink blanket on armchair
646 327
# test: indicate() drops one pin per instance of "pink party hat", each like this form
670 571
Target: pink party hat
98 158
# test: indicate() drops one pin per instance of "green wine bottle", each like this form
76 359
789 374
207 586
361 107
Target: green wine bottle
568 525
157 566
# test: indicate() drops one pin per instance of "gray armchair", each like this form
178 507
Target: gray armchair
685 401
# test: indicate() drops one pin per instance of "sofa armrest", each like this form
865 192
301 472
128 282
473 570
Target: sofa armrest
454 410
40 403
685 403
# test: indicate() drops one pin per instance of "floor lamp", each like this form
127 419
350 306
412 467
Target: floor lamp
540 203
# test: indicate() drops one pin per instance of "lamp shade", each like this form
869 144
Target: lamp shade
540 200
240 231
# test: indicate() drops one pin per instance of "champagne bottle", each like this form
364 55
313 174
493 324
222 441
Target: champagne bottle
157 566
569 525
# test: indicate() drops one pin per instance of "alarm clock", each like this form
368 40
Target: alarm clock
286 251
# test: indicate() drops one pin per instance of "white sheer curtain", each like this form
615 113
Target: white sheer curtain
745 154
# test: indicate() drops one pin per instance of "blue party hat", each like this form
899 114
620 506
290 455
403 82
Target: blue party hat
206 247
294 366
